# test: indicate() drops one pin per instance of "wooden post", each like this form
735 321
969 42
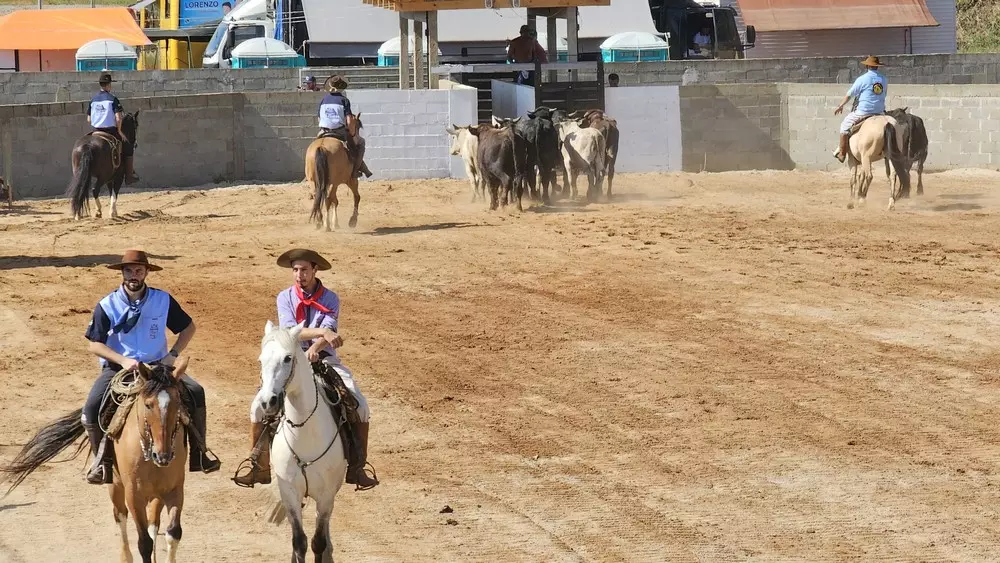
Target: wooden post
572 36
419 77
432 48
404 53
552 46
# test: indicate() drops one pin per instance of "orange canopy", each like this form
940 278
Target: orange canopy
800 15
68 28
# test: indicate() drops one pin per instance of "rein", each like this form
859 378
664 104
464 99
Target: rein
283 418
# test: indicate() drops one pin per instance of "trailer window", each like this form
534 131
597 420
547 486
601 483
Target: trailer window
245 33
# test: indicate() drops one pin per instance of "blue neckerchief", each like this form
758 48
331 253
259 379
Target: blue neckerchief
131 319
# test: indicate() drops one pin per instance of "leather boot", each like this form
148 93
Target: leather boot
198 461
842 152
260 468
356 470
364 170
101 472
130 177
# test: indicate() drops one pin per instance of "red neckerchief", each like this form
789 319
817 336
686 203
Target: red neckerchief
300 310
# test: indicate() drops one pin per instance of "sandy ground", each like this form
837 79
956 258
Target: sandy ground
714 367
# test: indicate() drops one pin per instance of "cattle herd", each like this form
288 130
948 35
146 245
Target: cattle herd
506 154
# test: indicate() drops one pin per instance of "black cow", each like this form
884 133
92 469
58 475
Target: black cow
496 162
908 145
537 146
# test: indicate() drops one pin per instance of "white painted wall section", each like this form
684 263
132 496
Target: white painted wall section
649 127
511 100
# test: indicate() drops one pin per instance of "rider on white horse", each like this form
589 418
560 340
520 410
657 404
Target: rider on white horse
870 89
307 300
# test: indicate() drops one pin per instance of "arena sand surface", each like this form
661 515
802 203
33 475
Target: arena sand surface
715 367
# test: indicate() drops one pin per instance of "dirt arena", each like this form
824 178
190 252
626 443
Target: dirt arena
714 367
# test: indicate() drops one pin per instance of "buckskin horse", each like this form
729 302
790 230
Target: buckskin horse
307 451
870 144
327 167
97 158
149 454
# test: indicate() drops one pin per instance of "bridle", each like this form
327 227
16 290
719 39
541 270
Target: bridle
146 436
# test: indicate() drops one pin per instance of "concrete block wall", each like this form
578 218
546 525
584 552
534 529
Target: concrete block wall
962 122
46 87
193 140
729 127
649 125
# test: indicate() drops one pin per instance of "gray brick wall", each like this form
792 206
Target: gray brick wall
963 123
729 127
199 139
36 87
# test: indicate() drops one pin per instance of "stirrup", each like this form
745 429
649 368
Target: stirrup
251 475
364 471
204 456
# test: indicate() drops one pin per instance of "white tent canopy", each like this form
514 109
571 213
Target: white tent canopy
391 47
633 40
106 49
263 47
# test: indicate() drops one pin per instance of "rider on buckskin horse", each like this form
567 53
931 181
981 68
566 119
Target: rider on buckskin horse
129 326
105 114
334 117
870 90
309 301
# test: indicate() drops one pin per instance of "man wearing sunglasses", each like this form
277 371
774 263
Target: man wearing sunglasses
129 326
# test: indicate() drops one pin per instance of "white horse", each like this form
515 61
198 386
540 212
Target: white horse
307 453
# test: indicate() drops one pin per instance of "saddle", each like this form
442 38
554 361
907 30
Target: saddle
857 126
340 134
116 146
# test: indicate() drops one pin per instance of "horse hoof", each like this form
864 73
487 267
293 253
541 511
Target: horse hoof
353 222
850 205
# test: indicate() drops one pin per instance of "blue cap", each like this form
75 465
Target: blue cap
310 78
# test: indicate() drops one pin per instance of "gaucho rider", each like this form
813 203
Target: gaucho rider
335 116
870 90
129 326
105 114
309 301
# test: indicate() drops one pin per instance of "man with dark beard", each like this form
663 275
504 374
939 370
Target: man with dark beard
129 326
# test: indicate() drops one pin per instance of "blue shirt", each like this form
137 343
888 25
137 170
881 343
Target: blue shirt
870 90
102 110
288 302
137 330
333 110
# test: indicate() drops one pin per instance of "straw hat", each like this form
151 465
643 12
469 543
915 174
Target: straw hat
872 61
286 259
335 83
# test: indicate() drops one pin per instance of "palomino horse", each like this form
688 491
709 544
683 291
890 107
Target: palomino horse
307 452
327 167
93 161
150 455
868 145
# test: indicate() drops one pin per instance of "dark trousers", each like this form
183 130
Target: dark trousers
92 408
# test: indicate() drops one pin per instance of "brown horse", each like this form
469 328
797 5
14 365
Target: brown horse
95 160
869 145
327 167
149 455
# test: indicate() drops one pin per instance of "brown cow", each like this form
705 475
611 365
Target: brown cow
608 127
497 163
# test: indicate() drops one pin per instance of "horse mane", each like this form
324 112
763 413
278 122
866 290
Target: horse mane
159 378
282 336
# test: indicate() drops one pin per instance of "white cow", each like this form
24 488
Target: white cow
466 145
583 150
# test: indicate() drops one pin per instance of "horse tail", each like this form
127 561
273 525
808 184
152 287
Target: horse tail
44 446
321 178
80 185
893 152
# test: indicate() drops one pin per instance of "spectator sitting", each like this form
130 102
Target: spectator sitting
309 85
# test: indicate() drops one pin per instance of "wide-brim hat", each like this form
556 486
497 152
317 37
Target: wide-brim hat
105 78
872 61
286 259
135 257
335 82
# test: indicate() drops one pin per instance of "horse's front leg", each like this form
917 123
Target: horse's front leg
137 506
322 544
174 503
116 186
332 200
121 518
292 499
353 185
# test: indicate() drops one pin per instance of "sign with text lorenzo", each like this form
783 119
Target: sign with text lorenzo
196 12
